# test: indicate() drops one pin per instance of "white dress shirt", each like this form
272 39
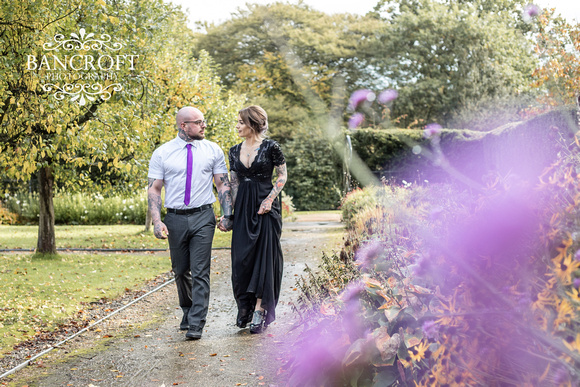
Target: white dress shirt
169 163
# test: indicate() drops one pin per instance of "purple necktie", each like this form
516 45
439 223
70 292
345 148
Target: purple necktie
188 175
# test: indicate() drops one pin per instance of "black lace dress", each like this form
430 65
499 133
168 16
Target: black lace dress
257 261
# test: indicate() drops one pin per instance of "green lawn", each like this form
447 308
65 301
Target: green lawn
38 294
106 237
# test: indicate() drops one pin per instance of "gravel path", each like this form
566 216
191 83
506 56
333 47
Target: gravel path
142 345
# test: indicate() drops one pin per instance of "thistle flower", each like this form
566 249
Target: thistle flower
577 255
367 253
431 130
577 283
352 290
359 97
387 96
355 120
531 11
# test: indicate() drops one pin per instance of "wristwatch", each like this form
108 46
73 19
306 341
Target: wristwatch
229 217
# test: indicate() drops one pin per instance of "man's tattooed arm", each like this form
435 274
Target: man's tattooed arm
222 184
154 203
234 184
280 182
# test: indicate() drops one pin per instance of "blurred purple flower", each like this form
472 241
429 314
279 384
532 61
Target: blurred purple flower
355 120
436 213
560 376
531 11
367 253
359 97
577 256
388 95
352 290
421 267
431 130
577 283
430 329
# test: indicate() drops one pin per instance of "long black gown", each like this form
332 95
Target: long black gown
257 261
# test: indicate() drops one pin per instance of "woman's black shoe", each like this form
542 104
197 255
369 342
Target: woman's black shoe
257 324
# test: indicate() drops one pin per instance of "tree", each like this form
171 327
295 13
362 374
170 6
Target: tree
558 45
105 139
443 56
250 49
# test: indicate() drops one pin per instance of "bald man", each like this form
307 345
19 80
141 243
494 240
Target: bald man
186 166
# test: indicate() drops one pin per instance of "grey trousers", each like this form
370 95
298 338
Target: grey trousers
190 238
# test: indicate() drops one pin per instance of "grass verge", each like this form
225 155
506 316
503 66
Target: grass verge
106 237
37 295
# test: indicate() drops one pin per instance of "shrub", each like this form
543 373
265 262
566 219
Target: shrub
314 173
440 285
83 209
7 217
287 207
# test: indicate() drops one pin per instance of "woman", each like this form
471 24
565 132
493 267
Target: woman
257 261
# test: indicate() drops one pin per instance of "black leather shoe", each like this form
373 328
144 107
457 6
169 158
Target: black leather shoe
257 324
193 333
183 326
244 317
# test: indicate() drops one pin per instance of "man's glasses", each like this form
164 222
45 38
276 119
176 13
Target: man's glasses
198 122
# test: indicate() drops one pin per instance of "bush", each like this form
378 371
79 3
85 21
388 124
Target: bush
314 173
355 202
7 217
83 209
287 207
433 277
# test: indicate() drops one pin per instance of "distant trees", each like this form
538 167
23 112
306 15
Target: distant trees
440 55
557 43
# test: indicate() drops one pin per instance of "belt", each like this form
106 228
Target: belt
189 210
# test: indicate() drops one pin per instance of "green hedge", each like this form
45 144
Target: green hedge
522 148
314 173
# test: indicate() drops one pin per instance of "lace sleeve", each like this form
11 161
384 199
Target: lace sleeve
277 155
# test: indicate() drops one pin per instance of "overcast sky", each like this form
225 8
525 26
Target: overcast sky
220 10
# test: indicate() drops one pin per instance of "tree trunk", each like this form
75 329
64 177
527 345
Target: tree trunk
148 220
46 239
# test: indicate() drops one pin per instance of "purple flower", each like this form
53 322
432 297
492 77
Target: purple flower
359 97
430 329
577 283
531 11
388 95
436 213
431 130
366 254
422 266
355 120
577 256
352 291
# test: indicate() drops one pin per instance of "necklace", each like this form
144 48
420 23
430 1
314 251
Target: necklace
249 149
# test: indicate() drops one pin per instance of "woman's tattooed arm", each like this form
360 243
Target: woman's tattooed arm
280 182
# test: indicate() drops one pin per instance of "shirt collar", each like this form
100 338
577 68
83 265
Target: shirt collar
182 143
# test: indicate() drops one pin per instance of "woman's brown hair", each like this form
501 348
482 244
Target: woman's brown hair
256 118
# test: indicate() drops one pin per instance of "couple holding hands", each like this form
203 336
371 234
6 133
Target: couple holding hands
251 204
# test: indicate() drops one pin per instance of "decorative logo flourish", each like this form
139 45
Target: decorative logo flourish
81 68
82 91
82 42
